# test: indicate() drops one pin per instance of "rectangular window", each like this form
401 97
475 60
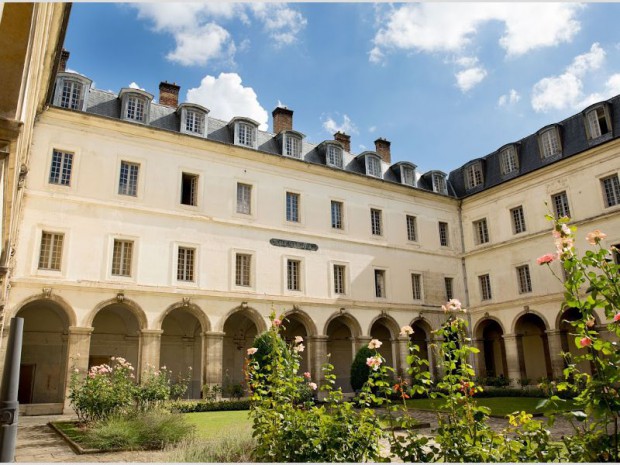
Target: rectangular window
379 283
292 146
611 190
71 95
597 122
128 180
245 134
185 264
337 208
121 257
135 109
339 279
50 255
243 264
518 220
523 276
194 122
439 184
189 189
485 286
473 175
412 228
481 231
416 286
373 166
560 204
550 143
334 156
448 282
292 207
509 162
244 198
407 175
443 234
375 222
60 171
293 279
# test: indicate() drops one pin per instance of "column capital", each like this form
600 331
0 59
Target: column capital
511 336
363 338
214 334
402 339
553 332
80 330
319 338
151 332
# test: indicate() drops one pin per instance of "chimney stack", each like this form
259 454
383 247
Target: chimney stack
282 119
64 57
382 147
169 94
344 139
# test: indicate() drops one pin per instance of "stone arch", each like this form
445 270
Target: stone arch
342 332
58 300
44 356
193 309
479 323
131 305
249 312
533 346
240 327
422 336
386 329
528 312
560 318
488 334
298 323
117 325
182 344
422 323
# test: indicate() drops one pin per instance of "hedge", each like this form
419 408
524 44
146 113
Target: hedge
188 406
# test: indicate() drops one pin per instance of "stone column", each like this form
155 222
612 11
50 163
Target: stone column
435 364
554 340
403 351
150 349
480 365
512 343
360 342
212 359
319 342
78 350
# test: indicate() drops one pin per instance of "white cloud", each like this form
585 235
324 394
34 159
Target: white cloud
201 45
133 85
372 129
347 126
226 97
199 35
451 27
566 90
509 99
470 78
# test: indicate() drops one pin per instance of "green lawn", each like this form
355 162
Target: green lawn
209 424
500 406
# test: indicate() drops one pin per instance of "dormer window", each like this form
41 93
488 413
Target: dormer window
334 156
193 119
473 175
549 142
439 183
598 121
373 166
508 160
291 143
407 175
245 130
135 105
71 91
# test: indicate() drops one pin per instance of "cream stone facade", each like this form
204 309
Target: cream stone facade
153 232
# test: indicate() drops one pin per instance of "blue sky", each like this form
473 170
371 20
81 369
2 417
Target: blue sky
445 83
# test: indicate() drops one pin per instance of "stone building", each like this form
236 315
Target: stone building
152 231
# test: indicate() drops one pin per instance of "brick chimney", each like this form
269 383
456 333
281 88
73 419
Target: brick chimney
344 139
169 94
382 147
64 57
282 119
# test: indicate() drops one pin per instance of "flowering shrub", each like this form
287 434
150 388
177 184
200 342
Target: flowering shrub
592 282
106 390
158 386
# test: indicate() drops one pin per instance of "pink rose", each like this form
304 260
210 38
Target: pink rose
299 348
374 344
299 339
312 386
585 341
277 322
406 331
595 237
307 375
374 362
545 259
617 317
252 350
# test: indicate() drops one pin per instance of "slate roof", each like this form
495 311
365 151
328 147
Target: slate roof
572 135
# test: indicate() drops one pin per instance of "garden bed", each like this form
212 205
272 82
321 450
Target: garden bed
75 436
